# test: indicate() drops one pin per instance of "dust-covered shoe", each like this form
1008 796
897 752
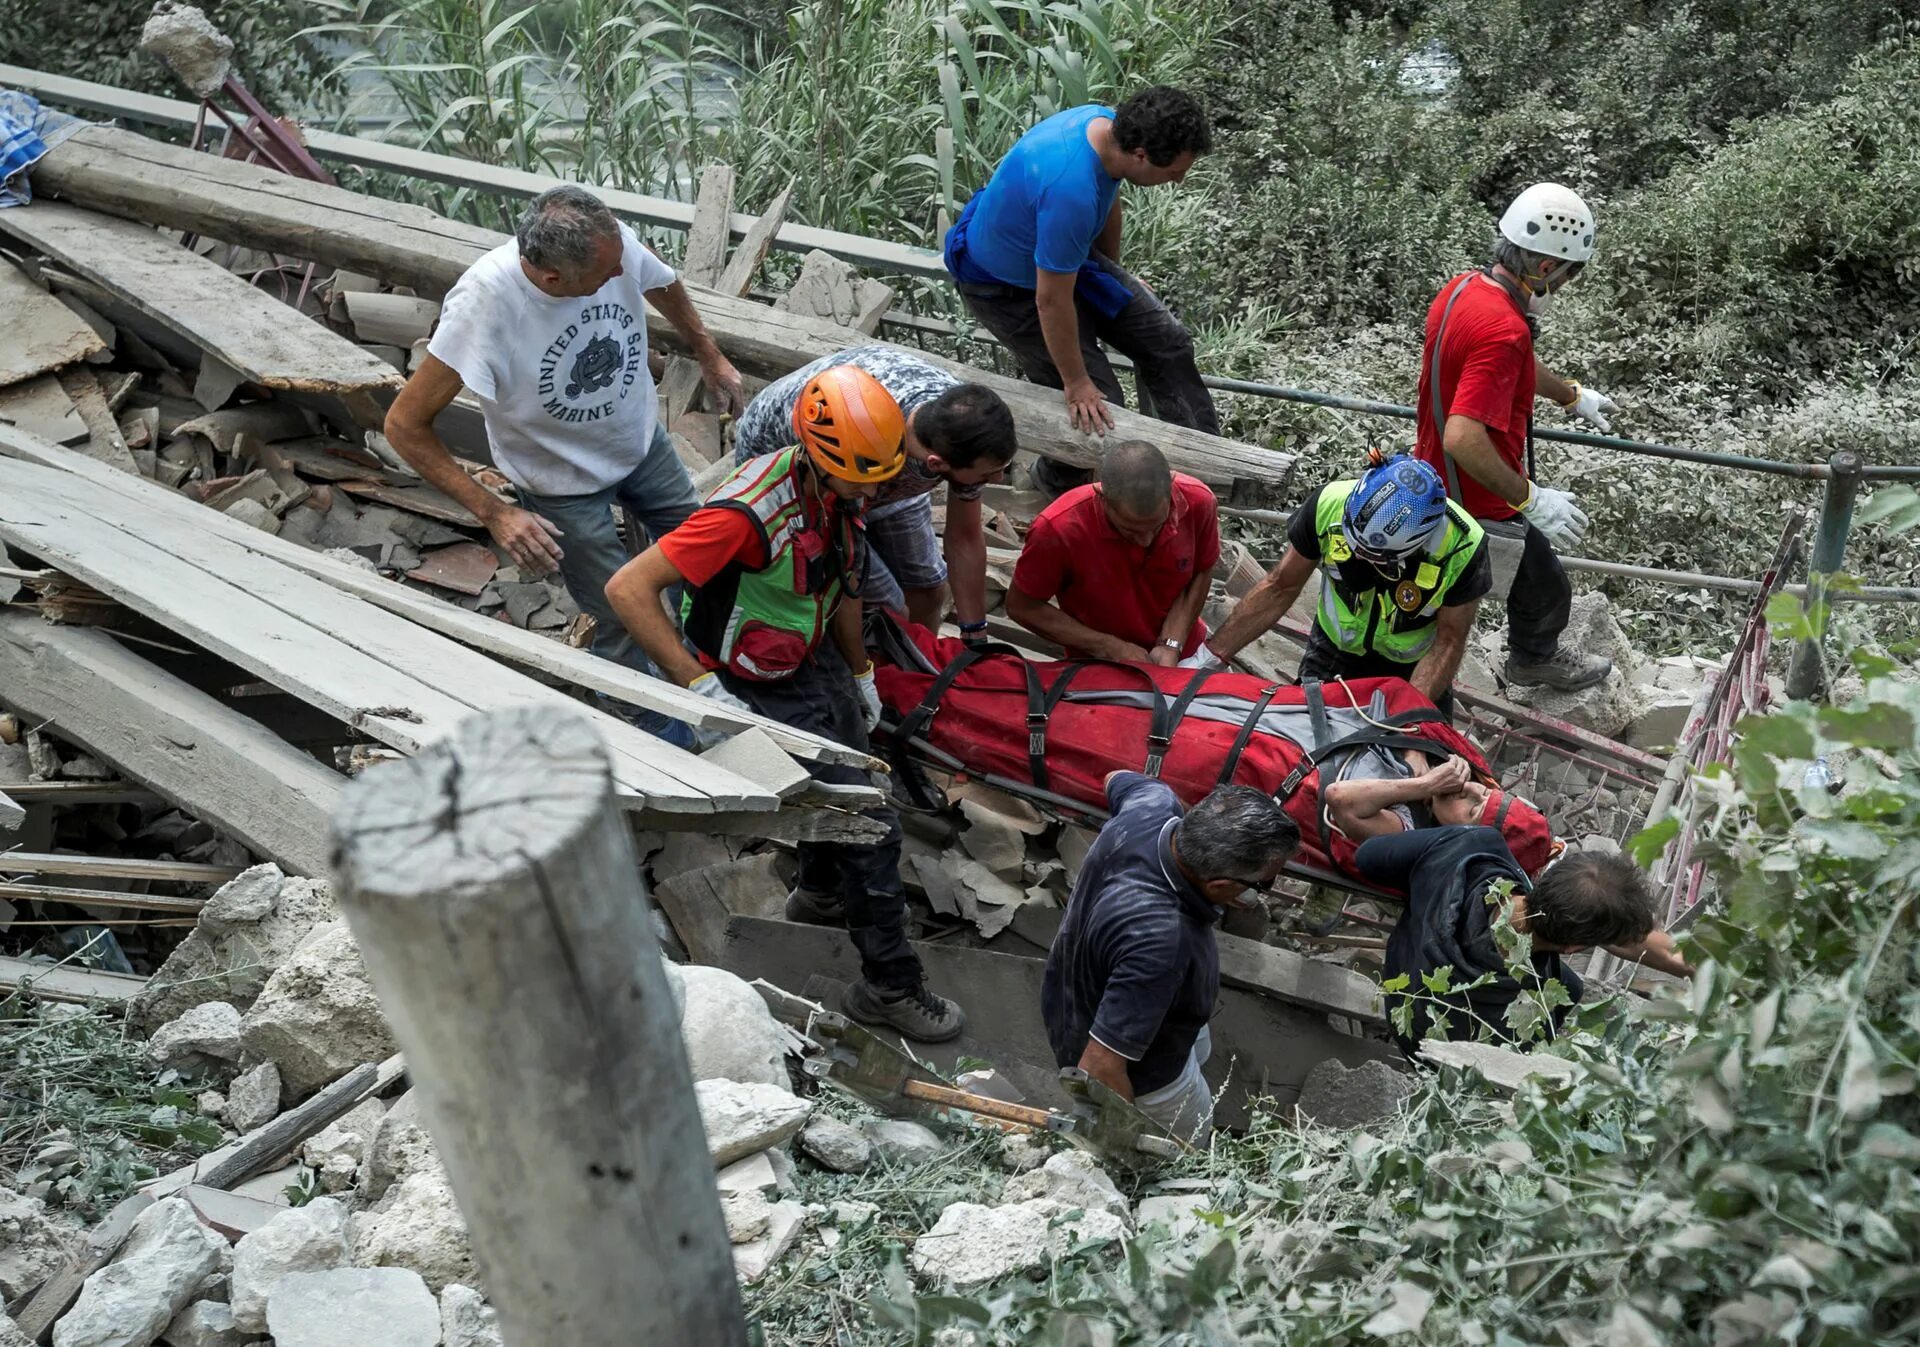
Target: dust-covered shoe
816 909
1566 671
915 1012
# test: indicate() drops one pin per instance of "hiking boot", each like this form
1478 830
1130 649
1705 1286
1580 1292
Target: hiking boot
1566 671
816 909
914 1011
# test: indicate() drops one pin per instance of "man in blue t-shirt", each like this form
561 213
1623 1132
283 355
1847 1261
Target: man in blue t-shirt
1036 256
1134 972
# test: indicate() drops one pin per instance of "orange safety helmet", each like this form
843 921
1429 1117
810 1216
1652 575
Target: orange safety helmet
850 426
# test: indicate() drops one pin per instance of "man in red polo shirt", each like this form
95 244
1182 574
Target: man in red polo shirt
1118 569
1478 379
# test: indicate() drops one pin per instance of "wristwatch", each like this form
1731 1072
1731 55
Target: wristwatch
1171 642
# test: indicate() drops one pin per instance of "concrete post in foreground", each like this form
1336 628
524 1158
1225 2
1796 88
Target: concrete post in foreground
491 885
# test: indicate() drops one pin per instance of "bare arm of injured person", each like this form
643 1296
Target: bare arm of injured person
1363 808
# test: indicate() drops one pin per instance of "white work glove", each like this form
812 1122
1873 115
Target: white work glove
1591 406
1556 514
1203 658
708 685
869 697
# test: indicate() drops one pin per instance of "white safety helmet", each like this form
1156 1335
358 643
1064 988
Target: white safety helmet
1550 220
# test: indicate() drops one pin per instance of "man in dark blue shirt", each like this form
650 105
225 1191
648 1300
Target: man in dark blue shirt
1036 256
1133 975
1450 876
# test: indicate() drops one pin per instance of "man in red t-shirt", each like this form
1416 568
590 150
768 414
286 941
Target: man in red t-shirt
1127 561
1476 420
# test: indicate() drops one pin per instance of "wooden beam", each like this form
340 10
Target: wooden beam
201 301
383 156
74 792
66 982
136 902
242 203
499 860
524 648
113 867
41 334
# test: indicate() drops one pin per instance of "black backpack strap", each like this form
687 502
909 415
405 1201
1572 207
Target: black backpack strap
1245 737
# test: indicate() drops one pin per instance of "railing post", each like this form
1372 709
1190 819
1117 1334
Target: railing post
490 883
1806 675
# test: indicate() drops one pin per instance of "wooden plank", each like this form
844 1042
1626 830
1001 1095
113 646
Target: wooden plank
664 212
706 252
200 300
429 501
681 386
41 334
209 759
74 792
113 867
67 983
361 665
104 440
55 1297
471 629
133 902
405 245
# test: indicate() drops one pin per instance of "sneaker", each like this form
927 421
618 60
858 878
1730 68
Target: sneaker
915 1011
1566 671
816 909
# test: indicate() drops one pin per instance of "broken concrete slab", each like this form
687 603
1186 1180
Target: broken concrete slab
401 1146
971 1245
417 1226
743 1118
205 1323
32 1248
747 1214
317 1017
1072 1179
728 1032
835 1145
167 1256
1502 1068
785 1221
233 1215
466 1320
354 1307
313 1238
210 1029
901 1143
199 54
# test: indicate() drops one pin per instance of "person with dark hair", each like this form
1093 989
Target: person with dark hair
1119 569
958 435
1479 378
1452 877
772 623
1036 256
1134 971
549 333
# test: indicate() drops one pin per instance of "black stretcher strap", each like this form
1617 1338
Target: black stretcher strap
1245 737
1157 745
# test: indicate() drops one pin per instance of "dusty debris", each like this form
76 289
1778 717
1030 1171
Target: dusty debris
401 1145
313 1238
199 54
167 1257
971 1244
835 1145
253 1099
317 1018
354 1307
416 1226
743 1118
1336 1095
31 1246
338 1150
1072 1179
901 1143
785 1221
245 932
728 1032
466 1320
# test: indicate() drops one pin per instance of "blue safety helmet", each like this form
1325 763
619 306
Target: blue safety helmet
1397 511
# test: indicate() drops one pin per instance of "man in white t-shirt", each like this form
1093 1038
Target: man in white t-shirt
549 332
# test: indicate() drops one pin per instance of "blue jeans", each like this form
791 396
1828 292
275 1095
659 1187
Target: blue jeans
660 495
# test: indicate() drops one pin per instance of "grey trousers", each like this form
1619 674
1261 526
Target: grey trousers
1146 332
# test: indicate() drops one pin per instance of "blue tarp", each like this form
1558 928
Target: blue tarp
27 131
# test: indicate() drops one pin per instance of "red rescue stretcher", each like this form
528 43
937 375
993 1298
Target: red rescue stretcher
1063 726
